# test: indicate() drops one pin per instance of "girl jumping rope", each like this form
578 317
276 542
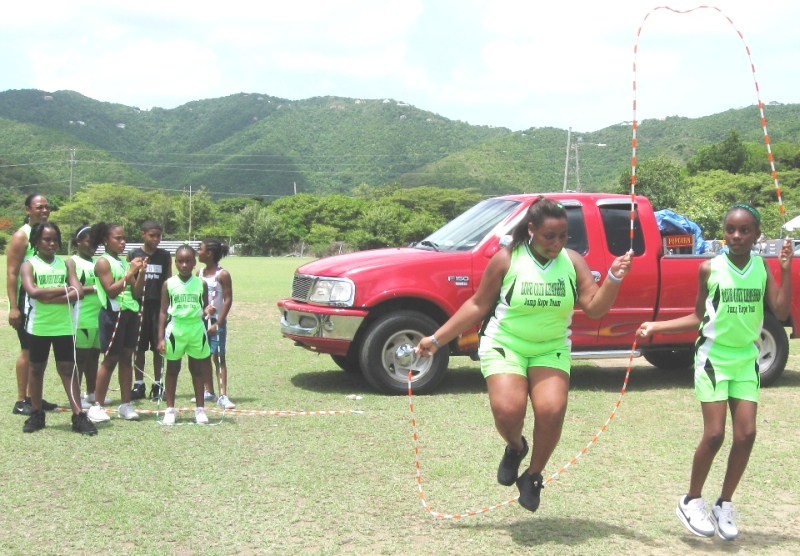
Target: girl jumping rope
51 286
184 302
729 312
220 289
121 285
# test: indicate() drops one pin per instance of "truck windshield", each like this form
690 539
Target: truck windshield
467 230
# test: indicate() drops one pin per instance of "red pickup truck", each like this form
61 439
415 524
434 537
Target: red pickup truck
360 308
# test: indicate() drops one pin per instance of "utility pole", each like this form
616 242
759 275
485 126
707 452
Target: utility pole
71 166
295 187
190 212
566 164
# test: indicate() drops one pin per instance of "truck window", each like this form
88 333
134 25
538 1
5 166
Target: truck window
467 230
576 227
617 224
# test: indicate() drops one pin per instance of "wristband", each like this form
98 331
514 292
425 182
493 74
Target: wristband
436 342
614 278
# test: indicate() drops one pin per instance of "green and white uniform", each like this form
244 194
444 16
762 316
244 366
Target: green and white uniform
529 326
185 332
726 352
87 335
49 319
22 304
125 300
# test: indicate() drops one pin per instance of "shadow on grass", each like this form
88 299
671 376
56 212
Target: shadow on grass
565 531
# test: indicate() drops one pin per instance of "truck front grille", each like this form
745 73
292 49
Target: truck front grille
301 285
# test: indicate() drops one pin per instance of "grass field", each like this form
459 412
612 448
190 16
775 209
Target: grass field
345 484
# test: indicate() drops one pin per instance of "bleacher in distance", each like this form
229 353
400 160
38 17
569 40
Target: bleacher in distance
170 246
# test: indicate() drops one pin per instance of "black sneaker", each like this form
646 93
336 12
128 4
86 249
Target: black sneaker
139 392
35 422
509 465
46 406
82 424
22 408
155 391
529 488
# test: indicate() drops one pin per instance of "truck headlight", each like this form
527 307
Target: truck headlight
339 292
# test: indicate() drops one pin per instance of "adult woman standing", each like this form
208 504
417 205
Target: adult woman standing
528 293
19 250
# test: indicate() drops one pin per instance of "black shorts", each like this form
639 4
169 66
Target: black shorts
63 348
128 328
24 338
148 337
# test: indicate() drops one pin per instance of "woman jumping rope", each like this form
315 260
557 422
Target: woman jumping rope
527 295
729 312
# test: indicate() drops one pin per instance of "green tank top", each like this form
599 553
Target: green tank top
735 304
185 299
49 319
536 303
90 304
29 251
125 299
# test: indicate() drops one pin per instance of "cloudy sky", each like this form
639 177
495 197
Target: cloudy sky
512 63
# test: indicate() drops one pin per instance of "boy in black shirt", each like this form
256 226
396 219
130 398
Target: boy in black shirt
159 268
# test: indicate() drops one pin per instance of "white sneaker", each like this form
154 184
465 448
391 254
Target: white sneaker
201 418
694 516
85 405
97 414
127 412
90 399
209 397
723 518
169 416
225 403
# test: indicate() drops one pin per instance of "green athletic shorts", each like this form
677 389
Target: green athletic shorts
87 338
722 372
496 359
186 340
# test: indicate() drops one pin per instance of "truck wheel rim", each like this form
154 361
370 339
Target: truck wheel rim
393 368
766 351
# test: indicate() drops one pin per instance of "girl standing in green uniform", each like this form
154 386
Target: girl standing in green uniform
729 312
52 287
528 293
184 301
87 337
121 286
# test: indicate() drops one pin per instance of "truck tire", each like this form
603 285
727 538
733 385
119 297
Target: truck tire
671 359
379 362
773 350
346 364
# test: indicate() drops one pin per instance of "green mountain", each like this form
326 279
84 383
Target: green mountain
255 144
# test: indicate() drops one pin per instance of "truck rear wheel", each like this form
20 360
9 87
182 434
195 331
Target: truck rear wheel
773 350
671 359
379 361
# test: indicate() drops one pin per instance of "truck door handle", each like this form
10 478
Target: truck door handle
596 275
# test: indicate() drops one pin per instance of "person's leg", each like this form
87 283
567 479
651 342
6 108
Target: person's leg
36 383
22 368
158 363
714 414
104 372
508 398
126 374
139 363
71 384
548 392
197 369
90 369
743 415
208 376
171 381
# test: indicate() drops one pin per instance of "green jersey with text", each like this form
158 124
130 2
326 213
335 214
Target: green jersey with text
124 300
185 299
735 303
90 304
536 303
49 319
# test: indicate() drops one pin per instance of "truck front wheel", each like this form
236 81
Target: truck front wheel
773 350
379 360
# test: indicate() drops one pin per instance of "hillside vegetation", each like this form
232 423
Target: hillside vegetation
259 145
